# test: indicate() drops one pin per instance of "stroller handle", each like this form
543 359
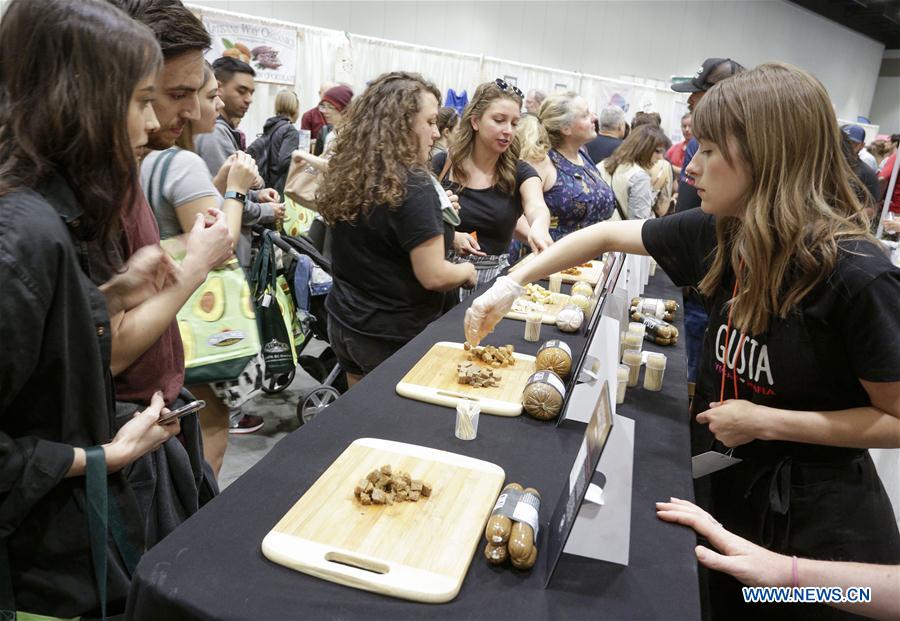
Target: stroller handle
276 239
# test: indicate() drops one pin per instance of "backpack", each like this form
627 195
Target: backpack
261 151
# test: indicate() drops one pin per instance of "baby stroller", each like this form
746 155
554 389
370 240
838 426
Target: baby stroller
308 274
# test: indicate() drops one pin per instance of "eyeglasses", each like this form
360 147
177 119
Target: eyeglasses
325 106
508 88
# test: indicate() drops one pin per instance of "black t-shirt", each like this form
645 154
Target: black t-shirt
375 290
489 212
687 197
602 147
869 180
847 328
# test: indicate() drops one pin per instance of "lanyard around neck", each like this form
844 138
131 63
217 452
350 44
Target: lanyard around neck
728 344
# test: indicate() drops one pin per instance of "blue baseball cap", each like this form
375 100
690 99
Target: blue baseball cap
855 133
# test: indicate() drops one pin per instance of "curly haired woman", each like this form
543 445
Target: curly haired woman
388 218
494 186
801 361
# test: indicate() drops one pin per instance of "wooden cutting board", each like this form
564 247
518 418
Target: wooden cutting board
550 310
433 380
413 550
587 274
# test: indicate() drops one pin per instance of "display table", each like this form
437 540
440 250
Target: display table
212 566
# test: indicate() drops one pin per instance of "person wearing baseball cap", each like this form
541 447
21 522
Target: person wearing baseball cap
711 72
857 136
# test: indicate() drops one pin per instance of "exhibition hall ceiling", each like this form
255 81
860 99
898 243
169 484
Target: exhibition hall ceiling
879 19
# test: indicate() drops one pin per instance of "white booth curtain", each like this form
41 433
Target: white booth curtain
333 55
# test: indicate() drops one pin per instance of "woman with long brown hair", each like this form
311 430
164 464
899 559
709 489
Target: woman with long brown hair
801 364
627 171
388 217
494 186
76 84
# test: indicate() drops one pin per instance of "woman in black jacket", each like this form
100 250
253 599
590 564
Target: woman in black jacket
272 150
76 86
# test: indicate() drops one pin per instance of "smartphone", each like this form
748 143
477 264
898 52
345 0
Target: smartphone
184 410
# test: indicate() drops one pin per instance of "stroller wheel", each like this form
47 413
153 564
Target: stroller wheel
316 401
277 383
319 368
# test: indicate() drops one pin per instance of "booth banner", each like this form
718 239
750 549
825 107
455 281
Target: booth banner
270 50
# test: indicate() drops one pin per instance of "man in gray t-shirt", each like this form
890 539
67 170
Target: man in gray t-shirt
185 181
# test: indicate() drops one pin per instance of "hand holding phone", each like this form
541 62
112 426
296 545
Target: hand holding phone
181 412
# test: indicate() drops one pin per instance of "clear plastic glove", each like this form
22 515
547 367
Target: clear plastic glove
490 307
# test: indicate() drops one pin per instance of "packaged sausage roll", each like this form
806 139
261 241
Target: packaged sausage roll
657 329
655 307
554 356
499 524
543 395
513 526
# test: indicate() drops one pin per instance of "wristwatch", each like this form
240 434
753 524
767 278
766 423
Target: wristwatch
236 196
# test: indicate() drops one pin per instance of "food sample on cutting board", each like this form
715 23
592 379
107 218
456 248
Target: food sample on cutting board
385 487
478 377
435 378
537 299
417 551
497 357
534 299
537 293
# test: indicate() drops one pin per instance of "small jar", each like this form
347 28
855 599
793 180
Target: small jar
633 340
656 368
637 327
632 359
555 282
467 414
533 322
621 382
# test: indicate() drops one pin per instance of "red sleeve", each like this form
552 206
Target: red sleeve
885 173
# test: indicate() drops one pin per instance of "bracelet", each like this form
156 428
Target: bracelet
242 198
795 572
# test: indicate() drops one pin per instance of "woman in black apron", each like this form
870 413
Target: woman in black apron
801 365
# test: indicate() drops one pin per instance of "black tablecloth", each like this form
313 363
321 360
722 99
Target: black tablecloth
212 566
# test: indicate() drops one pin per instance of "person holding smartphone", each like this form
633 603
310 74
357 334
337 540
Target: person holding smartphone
62 186
800 372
